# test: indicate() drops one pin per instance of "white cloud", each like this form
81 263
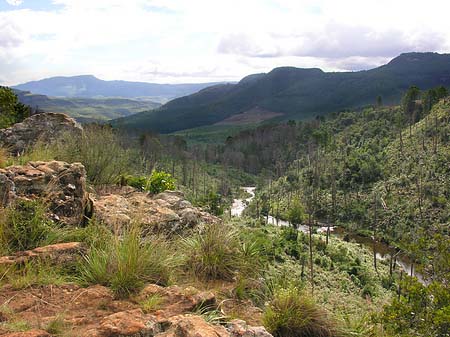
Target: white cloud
14 2
201 40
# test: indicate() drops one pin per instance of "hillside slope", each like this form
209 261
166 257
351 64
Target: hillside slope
298 93
91 87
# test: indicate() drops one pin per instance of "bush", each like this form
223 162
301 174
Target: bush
126 264
159 182
292 313
215 253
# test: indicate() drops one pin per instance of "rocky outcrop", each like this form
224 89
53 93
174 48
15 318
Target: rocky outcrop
167 212
127 323
95 312
31 333
193 326
239 328
61 185
57 254
43 127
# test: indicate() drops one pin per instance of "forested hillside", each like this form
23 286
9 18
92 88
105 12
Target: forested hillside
297 93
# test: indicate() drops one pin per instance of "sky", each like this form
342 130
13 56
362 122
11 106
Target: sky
193 41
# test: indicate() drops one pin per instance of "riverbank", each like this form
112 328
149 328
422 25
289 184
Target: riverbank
383 251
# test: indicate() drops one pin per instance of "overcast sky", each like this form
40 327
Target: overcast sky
176 41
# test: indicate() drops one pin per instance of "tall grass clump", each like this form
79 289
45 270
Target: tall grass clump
292 313
215 253
24 226
126 263
99 149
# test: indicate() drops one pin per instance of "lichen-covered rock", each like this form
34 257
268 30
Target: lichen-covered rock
43 127
61 185
239 328
7 190
166 212
193 326
126 323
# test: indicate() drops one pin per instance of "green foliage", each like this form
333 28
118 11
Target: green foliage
11 110
420 310
292 313
159 182
212 202
296 214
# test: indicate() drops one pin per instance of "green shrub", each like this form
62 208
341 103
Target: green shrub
127 263
215 253
292 313
159 182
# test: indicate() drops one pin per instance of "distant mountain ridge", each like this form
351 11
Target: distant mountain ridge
86 109
88 86
296 93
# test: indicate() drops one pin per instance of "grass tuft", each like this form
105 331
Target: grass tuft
128 262
292 313
216 253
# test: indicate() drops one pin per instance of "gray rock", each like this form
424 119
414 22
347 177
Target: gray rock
61 185
239 328
43 127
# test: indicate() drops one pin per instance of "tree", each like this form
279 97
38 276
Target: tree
379 101
409 104
296 213
11 110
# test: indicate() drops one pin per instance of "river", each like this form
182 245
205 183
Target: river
382 250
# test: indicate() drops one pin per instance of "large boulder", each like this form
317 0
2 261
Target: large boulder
61 185
43 127
166 212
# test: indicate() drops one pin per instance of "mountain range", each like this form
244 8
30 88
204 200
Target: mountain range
294 93
88 86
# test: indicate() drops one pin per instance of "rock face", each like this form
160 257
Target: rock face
62 185
40 127
58 254
166 212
